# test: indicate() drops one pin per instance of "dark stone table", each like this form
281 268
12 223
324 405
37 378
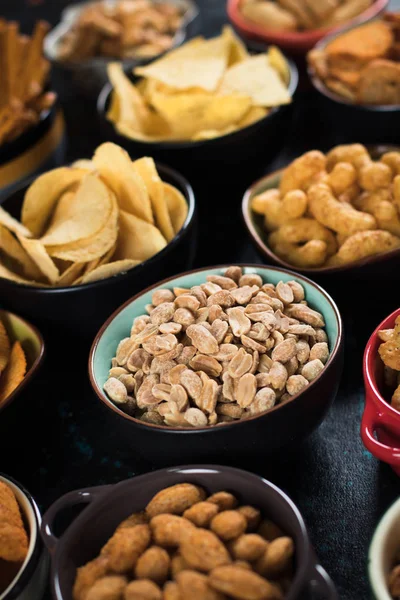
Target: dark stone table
341 490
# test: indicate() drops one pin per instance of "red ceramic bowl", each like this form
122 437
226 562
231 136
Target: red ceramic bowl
379 418
298 42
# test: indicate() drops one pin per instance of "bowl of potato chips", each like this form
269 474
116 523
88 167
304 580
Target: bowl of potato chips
207 100
78 240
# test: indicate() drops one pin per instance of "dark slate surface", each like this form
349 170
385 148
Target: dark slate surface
63 442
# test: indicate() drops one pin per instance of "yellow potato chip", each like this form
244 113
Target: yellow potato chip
4 347
102 260
177 206
86 212
7 274
189 113
131 106
255 77
12 224
198 63
137 240
90 248
279 63
17 256
115 167
61 210
237 50
110 269
71 274
42 196
14 372
37 252
84 163
147 170
254 114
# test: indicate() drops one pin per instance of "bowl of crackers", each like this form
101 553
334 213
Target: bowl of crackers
356 73
199 102
77 240
32 131
384 556
297 25
23 561
208 530
380 427
329 214
197 360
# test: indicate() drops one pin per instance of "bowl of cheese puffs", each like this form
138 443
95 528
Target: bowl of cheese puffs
380 427
327 214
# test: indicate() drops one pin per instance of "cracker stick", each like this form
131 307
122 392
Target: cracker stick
32 67
4 83
12 57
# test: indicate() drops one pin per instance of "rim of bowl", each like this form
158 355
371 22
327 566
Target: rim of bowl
293 37
34 549
266 250
35 365
184 187
325 91
376 577
169 429
369 361
187 144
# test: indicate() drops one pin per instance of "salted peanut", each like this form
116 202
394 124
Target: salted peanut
87 576
152 417
232 410
209 396
203 550
253 345
302 351
215 312
124 548
161 391
312 369
265 364
201 513
219 329
117 372
149 308
226 352
292 366
284 351
184 317
192 383
259 332
224 500
178 291
228 524
320 335
210 288
160 296
226 283
227 387
139 518
239 323
202 362
168 530
277 375
129 382
116 390
263 400
166 342
320 350
106 588
153 564
187 301
171 591
301 329
234 273
175 499
248 546
213 419
195 417
175 373
195 586
295 384
202 339
178 564
269 530
240 364
284 292
243 584
162 313
276 558
139 323
222 298
262 380
246 390
128 345
179 396
306 314
244 294
142 589
198 293
278 337
252 516
250 279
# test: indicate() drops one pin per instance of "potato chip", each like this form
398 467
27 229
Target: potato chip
255 77
198 63
147 170
102 260
237 50
42 196
86 212
131 106
110 269
4 347
84 163
118 172
71 274
254 114
177 206
137 239
7 274
14 372
17 255
279 63
189 113
37 252
92 247
12 224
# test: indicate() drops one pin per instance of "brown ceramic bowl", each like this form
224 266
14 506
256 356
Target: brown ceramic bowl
109 505
379 266
283 425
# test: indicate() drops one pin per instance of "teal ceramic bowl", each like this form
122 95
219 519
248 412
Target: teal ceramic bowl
283 425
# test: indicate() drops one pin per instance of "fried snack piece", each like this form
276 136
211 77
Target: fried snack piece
125 546
355 154
379 83
390 351
392 160
14 372
87 576
294 204
299 231
277 211
342 176
302 172
269 14
13 542
110 587
374 175
379 205
364 43
313 254
339 216
363 244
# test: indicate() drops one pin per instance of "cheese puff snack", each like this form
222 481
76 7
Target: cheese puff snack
334 209
389 351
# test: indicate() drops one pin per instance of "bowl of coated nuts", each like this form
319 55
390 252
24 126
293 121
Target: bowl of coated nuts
384 556
196 531
197 360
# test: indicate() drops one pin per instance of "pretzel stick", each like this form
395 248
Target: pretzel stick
21 58
31 71
4 83
12 58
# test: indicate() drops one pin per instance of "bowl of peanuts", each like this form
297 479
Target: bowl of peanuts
195 531
330 214
380 426
197 360
384 556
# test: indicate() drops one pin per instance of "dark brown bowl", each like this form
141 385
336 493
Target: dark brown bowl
283 425
379 266
109 505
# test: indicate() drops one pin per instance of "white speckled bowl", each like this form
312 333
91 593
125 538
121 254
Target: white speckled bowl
384 546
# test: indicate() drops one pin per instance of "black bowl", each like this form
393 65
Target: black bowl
284 425
81 309
257 143
366 123
110 504
39 148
